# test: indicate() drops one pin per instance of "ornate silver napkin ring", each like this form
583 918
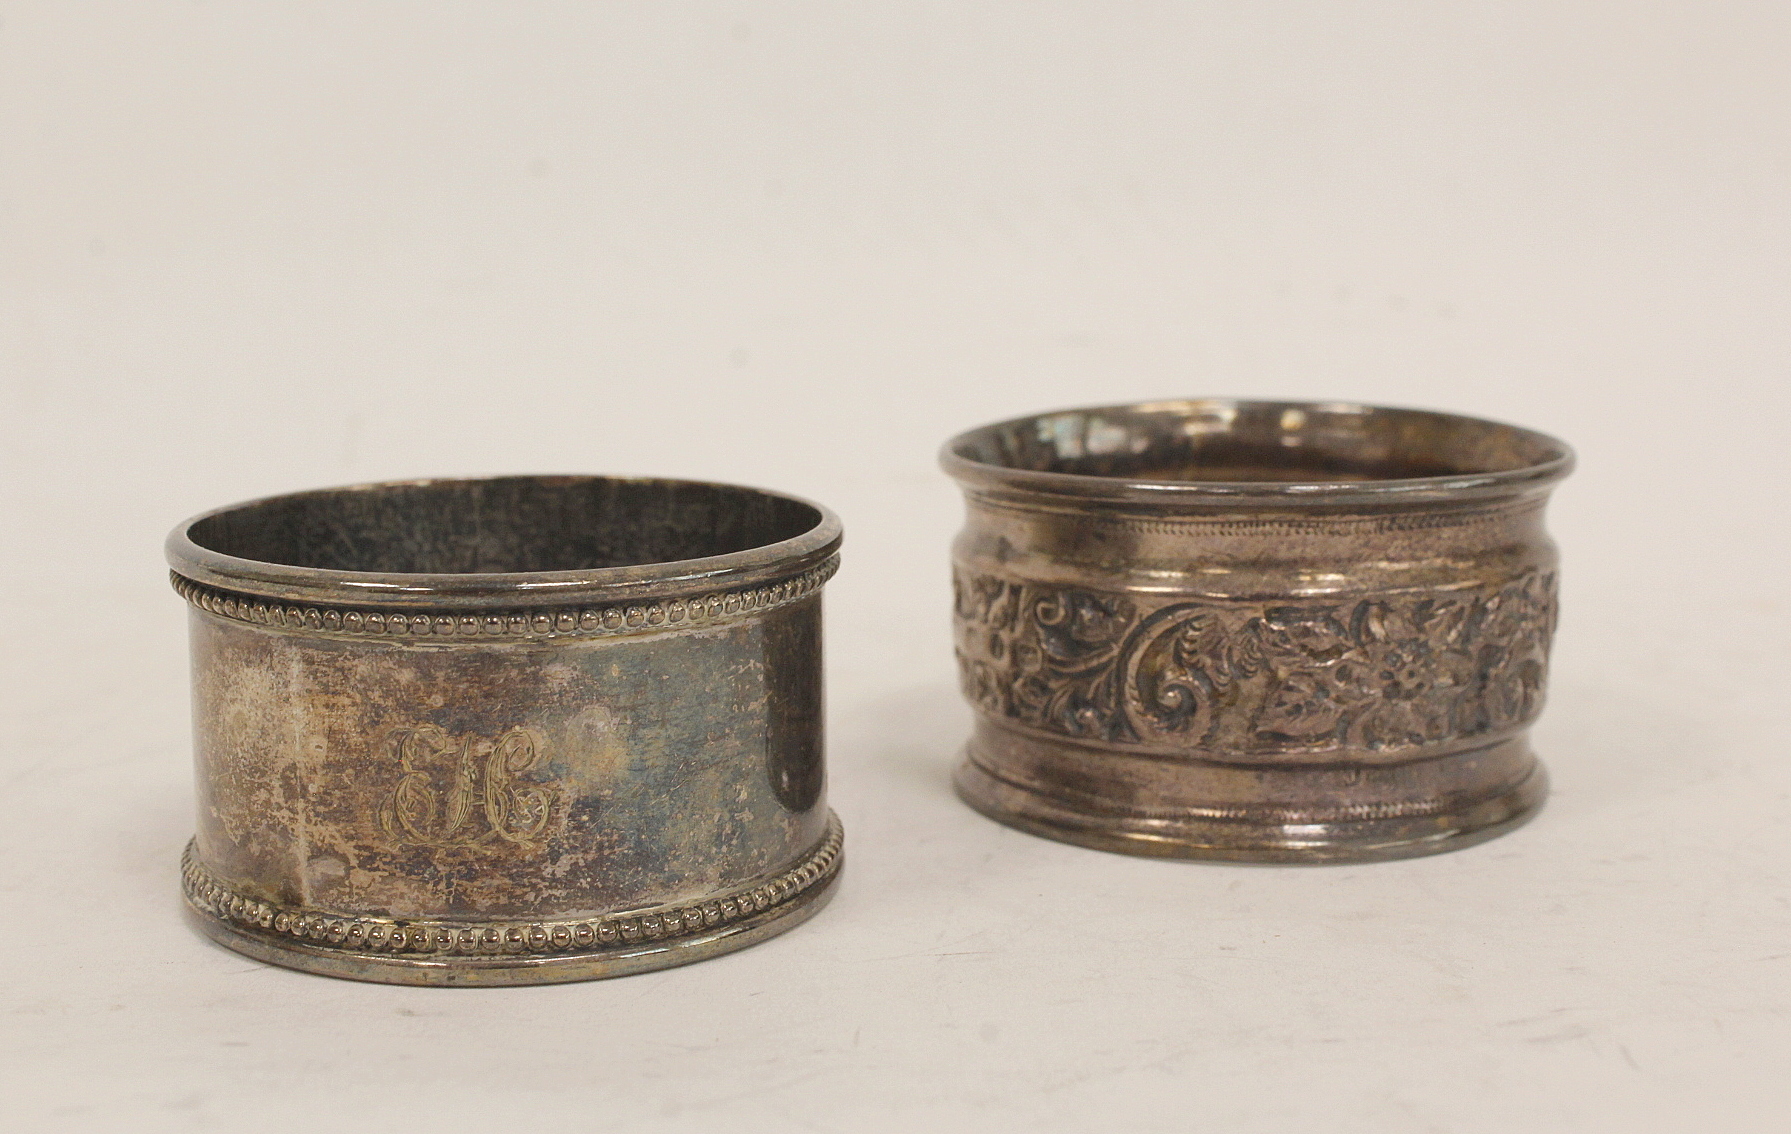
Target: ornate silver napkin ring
1259 631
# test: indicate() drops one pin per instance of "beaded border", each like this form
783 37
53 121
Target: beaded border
364 935
547 622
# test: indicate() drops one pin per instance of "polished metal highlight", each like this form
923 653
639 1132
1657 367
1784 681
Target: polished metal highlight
516 730
1255 631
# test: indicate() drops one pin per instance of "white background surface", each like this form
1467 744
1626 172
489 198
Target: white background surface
252 248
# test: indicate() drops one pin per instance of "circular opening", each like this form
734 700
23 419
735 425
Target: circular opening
504 525
1272 445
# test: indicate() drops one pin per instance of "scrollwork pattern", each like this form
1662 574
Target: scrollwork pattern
446 781
1401 671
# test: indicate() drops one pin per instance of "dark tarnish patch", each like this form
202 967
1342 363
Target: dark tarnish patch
794 711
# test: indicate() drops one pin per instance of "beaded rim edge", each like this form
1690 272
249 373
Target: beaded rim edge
401 937
544 622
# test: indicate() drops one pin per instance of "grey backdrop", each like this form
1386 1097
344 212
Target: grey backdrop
246 248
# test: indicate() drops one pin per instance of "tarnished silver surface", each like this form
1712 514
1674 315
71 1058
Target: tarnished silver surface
1255 631
507 731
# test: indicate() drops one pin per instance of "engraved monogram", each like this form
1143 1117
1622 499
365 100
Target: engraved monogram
1402 671
466 791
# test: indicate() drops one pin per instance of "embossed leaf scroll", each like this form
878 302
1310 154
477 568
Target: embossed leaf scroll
1401 671
464 792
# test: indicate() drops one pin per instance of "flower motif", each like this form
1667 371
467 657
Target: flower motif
1387 673
1414 673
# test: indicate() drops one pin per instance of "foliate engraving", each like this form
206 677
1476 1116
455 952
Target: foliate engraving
466 791
1402 671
